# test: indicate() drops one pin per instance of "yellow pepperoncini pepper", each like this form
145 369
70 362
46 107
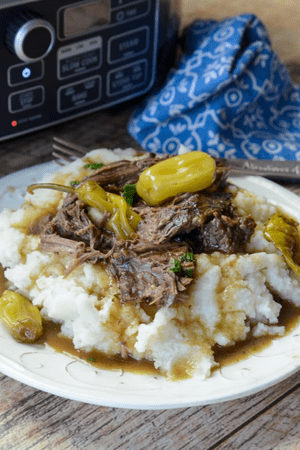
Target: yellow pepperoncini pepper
22 318
123 221
284 234
190 172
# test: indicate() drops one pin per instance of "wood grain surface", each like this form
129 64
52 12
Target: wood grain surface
34 420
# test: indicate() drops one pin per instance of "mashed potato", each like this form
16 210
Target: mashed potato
232 294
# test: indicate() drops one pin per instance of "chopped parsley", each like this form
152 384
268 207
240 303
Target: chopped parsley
94 166
188 257
175 265
128 193
91 359
189 273
73 183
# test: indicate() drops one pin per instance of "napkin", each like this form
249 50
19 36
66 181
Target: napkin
229 95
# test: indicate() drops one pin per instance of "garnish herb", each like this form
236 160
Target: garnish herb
189 273
128 193
175 265
73 183
94 166
188 257
91 359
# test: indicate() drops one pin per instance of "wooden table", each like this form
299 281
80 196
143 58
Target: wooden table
34 420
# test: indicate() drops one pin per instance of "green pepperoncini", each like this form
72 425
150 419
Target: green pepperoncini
283 233
190 172
22 318
123 221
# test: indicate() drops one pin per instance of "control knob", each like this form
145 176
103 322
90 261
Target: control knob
29 36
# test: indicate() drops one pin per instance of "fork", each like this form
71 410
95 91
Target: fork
66 152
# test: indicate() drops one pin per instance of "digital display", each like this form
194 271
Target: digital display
85 16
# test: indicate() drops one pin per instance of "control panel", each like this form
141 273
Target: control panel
63 59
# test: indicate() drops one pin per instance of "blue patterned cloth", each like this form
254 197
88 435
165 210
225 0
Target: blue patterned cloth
229 96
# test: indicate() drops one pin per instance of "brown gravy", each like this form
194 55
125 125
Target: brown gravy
289 317
62 344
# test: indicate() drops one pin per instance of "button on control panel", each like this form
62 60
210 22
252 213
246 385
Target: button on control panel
24 73
26 99
127 78
76 95
129 12
78 58
128 45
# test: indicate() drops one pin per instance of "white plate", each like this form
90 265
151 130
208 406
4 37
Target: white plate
61 375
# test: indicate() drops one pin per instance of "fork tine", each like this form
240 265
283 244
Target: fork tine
63 157
71 145
60 163
66 151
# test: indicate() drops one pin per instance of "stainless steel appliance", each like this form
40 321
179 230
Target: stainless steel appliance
61 59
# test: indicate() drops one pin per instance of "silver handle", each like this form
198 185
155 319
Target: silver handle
279 170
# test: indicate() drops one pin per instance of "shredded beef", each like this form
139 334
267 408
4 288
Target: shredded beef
207 220
222 233
142 265
57 244
113 177
143 272
73 222
37 226
220 182
140 268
